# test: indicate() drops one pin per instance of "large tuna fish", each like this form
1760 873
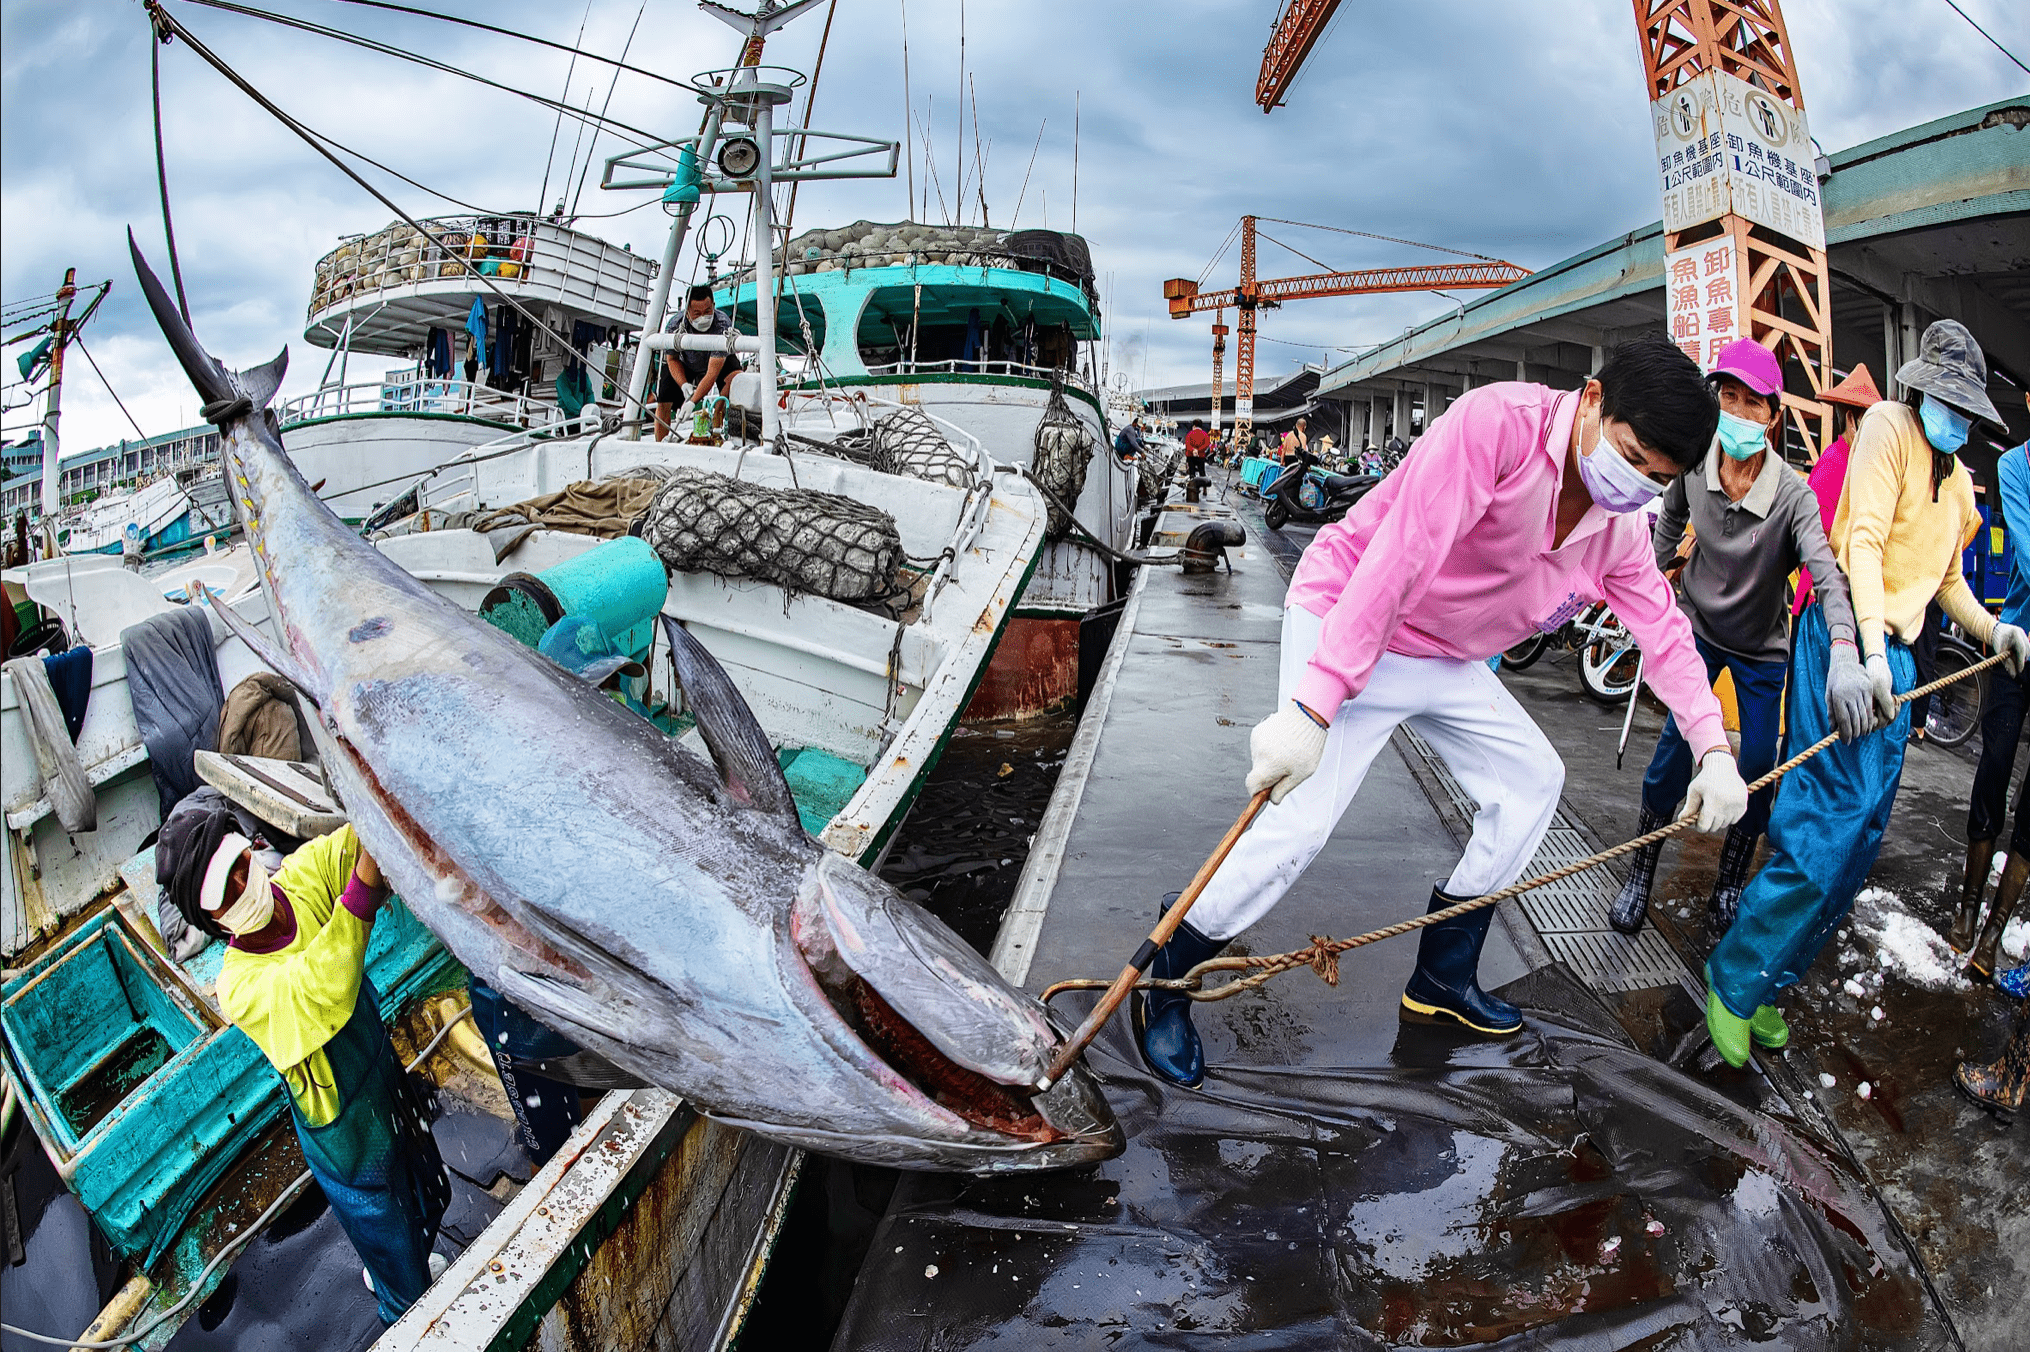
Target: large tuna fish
670 916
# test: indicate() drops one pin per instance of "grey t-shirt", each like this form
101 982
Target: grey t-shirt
695 364
1735 582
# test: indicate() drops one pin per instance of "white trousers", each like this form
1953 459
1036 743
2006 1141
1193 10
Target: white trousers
1496 752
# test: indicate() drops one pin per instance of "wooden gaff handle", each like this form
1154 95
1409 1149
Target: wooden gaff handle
1146 954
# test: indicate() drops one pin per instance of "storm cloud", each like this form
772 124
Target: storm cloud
1473 124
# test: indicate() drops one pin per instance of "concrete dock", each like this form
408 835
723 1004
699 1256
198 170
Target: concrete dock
1343 1179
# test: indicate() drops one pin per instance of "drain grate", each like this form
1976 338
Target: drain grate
1607 961
1570 915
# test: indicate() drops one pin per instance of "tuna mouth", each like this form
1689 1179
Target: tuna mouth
970 1063
1004 1109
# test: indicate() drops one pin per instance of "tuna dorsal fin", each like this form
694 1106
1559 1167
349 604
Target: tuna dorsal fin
739 747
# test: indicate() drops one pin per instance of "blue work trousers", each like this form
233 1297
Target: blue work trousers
1824 833
1758 697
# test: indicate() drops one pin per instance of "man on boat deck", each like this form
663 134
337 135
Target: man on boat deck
294 980
1907 512
1520 507
694 375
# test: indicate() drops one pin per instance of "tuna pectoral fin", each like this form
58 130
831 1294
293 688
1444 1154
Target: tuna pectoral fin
266 653
739 747
581 1069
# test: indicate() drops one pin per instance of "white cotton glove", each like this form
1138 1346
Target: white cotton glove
2014 643
1286 746
1882 685
1850 699
1717 793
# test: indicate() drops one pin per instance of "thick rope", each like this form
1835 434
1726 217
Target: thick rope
1322 955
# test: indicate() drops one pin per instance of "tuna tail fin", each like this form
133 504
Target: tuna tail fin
266 653
218 385
740 749
206 372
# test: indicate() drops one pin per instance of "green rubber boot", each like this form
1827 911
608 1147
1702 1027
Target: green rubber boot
1729 1030
1768 1028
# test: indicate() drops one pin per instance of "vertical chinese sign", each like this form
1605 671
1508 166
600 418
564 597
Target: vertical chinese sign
1744 229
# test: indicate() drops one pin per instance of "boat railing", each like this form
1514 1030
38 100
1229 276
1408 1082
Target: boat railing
526 256
456 398
901 370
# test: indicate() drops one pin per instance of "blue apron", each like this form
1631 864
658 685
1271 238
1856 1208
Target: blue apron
1824 833
377 1161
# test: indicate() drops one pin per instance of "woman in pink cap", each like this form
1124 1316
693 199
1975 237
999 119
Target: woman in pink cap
1755 524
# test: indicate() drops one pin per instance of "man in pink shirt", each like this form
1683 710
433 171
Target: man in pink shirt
1518 508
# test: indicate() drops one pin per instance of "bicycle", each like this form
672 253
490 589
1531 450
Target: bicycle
1609 657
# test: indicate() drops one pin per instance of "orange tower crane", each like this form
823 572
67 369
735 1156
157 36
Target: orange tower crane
1744 229
1254 294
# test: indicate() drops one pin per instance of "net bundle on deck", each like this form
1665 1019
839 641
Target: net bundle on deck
800 539
908 442
1064 451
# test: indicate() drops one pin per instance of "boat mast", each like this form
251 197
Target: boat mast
772 15
52 408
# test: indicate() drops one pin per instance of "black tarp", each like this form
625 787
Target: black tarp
1556 1187
1066 252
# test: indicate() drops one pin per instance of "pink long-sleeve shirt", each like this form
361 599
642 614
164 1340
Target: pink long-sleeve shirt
1451 556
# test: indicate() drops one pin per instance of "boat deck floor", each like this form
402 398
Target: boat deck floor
1343 1179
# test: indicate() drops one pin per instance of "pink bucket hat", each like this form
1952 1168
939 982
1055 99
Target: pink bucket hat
1750 363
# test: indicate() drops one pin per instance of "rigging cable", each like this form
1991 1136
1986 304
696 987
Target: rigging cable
109 385
614 84
428 62
1368 234
1986 34
158 38
525 37
310 138
550 160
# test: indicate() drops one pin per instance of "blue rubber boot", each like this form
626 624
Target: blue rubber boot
1163 1018
1446 985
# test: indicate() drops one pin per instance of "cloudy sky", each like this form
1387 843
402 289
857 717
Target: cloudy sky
1467 123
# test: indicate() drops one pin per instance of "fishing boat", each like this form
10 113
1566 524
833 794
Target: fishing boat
180 507
480 370
651 1217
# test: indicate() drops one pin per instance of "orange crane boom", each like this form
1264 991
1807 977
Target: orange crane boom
1298 27
1251 295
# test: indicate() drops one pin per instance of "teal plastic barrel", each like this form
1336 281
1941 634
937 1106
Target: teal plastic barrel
619 585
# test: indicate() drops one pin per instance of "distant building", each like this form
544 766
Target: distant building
1926 223
103 468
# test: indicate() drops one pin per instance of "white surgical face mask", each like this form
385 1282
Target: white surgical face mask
701 323
255 905
1614 483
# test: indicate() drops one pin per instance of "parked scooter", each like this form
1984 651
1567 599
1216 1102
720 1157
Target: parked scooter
1306 492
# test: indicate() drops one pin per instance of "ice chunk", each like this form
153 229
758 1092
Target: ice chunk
1825 1082
1865 1090
1876 1014
1855 989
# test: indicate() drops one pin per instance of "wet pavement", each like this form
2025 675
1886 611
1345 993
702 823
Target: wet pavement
1948 1171
1346 1180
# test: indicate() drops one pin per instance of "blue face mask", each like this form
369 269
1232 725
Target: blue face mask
1945 428
1740 438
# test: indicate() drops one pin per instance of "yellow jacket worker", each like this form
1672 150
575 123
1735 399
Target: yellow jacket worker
294 980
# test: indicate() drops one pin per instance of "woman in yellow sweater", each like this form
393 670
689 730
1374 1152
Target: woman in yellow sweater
1904 517
294 980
